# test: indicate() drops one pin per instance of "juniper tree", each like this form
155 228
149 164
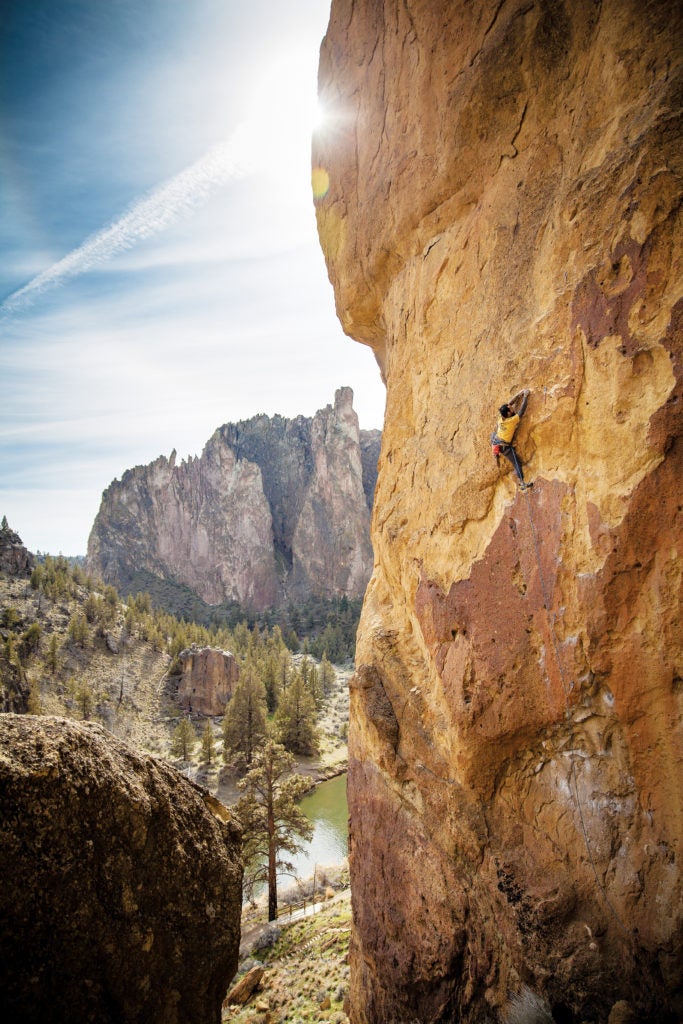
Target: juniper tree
52 656
326 674
208 743
270 674
272 823
78 630
85 698
30 640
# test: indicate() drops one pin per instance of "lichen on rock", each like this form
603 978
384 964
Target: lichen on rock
122 890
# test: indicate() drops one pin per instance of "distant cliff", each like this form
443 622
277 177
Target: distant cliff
504 211
273 510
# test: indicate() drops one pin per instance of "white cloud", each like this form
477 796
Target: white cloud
147 217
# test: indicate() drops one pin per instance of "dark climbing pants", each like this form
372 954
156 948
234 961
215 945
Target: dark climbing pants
511 455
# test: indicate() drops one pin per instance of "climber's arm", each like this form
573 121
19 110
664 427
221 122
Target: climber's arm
522 396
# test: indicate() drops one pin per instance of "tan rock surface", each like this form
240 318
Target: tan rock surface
504 211
242 992
208 679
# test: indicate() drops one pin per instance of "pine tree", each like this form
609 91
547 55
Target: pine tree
295 718
78 629
52 656
271 680
311 680
326 675
244 724
34 704
271 821
208 743
183 740
30 640
85 698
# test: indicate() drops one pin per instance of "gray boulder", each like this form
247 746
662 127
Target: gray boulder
122 882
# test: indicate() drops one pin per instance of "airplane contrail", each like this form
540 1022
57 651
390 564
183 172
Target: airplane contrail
146 217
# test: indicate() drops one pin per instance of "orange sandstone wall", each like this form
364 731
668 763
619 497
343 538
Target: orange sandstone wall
504 210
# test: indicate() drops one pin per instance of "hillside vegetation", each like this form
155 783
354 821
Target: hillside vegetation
306 970
70 646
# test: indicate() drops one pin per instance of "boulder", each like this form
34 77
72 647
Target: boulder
208 679
241 993
121 899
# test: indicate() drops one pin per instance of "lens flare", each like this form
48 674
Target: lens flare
320 182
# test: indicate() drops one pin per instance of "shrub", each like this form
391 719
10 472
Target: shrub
526 1007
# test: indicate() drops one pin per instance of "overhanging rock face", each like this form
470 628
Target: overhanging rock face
504 211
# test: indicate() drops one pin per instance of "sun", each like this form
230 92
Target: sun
282 113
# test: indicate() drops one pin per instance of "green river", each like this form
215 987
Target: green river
326 807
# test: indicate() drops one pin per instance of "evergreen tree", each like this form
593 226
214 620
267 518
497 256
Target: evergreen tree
326 675
244 724
271 680
295 718
85 698
30 641
271 821
78 629
183 740
10 617
208 743
37 577
34 704
52 656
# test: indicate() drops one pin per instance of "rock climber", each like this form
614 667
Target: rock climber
510 413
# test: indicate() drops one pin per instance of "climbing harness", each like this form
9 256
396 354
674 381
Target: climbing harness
567 690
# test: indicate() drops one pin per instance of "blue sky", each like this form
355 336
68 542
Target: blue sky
160 272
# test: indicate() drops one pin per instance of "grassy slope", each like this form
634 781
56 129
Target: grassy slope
307 971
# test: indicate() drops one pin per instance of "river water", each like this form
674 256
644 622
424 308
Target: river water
327 808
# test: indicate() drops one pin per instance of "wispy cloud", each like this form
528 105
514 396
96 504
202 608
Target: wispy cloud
148 216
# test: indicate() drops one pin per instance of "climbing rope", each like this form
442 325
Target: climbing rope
567 690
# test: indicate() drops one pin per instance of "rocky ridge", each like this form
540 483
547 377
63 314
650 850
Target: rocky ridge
504 211
15 558
273 510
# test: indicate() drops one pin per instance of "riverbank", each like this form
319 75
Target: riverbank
330 761
298 899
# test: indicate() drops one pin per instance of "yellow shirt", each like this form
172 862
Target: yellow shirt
506 428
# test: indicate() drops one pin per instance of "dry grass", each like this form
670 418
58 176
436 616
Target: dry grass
306 978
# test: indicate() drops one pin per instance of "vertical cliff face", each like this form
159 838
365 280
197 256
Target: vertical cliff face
504 211
208 679
187 522
273 510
